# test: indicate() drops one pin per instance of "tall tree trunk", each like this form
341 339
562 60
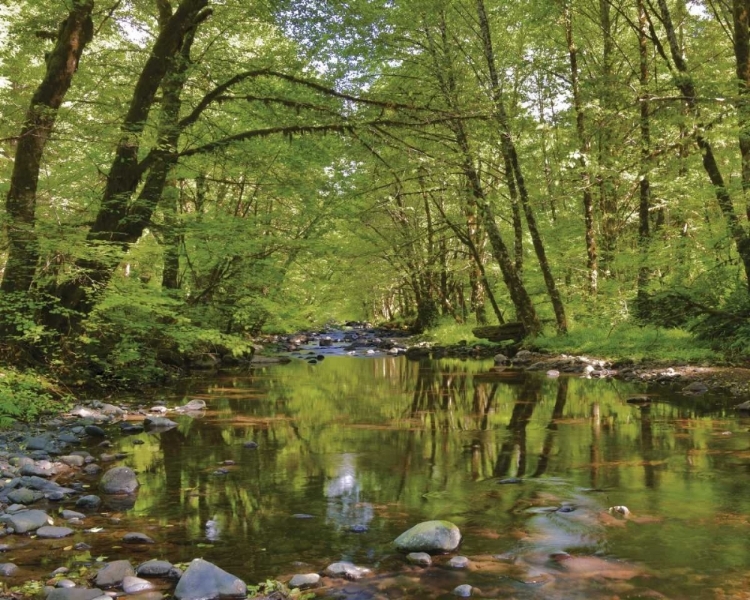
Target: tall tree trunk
584 152
741 14
443 65
172 237
644 204
75 32
685 84
119 222
510 157
607 191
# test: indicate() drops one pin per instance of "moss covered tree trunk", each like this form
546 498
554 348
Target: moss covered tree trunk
75 32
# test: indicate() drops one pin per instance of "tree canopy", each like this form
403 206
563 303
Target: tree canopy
178 173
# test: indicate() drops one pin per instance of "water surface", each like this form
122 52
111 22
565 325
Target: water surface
381 444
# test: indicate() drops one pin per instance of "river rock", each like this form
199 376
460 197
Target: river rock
346 570
304 581
129 428
95 431
74 594
26 520
159 423
430 536
52 532
462 591
111 410
192 406
71 514
696 388
458 562
203 580
92 469
133 537
119 480
158 568
72 460
35 471
113 573
135 585
37 442
421 559
43 485
500 359
8 569
25 496
90 501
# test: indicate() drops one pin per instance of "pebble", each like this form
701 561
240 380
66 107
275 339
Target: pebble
421 559
458 562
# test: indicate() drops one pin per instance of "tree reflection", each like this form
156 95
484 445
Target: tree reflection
513 449
549 439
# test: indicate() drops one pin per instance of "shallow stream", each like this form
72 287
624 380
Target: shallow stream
353 451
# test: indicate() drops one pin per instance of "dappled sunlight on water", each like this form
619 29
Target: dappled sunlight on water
352 452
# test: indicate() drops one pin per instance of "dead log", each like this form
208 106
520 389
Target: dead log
501 333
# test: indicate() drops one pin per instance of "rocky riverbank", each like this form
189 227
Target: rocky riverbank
367 341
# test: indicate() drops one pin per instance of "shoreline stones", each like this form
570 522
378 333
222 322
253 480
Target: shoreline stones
432 537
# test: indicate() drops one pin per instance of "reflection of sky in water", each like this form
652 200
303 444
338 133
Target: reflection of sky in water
345 509
213 529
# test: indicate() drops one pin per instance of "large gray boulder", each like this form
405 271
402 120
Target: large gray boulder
434 537
119 480
203 580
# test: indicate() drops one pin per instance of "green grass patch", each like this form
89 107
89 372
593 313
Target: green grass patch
626 340
623 340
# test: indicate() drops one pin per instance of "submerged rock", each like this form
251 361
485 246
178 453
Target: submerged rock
205 581
90 501
430 536
134 537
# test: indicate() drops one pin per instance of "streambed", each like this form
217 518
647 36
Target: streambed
353 451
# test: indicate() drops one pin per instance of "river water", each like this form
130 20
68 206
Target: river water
351 452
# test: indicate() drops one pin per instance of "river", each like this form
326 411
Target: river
353 451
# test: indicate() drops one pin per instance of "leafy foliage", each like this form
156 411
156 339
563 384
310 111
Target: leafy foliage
26 397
